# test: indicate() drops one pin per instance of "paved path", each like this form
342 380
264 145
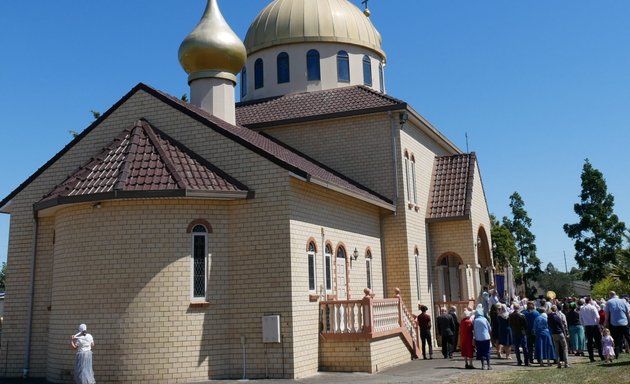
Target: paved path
438 370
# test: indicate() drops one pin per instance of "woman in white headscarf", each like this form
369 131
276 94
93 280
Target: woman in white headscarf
83 342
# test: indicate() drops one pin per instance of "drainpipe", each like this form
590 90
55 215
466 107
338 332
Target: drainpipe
31 294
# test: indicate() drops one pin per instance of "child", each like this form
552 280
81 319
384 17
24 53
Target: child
608 346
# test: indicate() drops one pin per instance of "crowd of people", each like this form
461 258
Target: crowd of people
543 331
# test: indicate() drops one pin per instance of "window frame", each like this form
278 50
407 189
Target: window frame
259 74
311 257
313 66
381 77
243 82
368 270
328 268
283 70
195 233
343 66
367 71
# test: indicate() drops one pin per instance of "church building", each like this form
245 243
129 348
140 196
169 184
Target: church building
293 232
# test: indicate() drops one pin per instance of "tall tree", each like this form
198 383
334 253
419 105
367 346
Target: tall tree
599 234
504 248
524 240
3 272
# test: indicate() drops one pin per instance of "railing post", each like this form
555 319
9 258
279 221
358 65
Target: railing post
368 314
400 310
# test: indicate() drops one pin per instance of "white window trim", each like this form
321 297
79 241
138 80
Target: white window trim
413 180
193 298
312 254
417 259
328 267
369 273
408 179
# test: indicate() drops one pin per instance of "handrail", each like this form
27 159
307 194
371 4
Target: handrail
368 318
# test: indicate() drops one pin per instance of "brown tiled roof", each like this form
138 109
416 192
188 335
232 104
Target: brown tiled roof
452 185
143 162
278 153
283 156
314 105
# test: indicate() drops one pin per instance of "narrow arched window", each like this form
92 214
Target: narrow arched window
328 268
416 257
244 82
199 265
368 268
343 67
367 71
381 79
312 268
413 180
259 80
283 67
408 177
313 72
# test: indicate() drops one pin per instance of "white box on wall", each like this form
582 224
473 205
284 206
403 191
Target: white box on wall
271 328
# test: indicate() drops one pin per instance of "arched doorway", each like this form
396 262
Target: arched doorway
484 259
449 277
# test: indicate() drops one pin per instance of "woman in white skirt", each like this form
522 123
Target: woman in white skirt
83 342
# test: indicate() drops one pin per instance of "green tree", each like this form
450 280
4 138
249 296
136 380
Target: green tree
3 273
554 280
599 234
524 240
504 248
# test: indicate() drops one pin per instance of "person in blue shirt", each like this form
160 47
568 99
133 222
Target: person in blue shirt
530 315
544 343
481 331
617 315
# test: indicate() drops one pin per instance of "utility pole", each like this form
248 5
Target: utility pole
566 270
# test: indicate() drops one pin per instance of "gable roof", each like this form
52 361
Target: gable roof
144 162
452 187
317 105
283 156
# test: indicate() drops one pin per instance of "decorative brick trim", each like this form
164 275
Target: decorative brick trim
203 222
311 240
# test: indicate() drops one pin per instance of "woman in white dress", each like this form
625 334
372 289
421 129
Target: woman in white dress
83 342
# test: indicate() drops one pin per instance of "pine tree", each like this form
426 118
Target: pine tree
504 248
524 240
598 235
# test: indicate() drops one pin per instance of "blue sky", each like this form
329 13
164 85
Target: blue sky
538 86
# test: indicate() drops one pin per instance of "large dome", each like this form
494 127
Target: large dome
297 21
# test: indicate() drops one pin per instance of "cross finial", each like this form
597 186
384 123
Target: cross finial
366 12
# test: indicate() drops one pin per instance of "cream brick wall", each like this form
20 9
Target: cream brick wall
363 356
345 221
360 147
124 269
258 233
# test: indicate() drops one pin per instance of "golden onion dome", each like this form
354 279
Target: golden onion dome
212 49
298 21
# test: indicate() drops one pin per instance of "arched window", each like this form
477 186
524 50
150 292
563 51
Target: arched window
413 180
259 80
408 176
244 82
343 67
312 276
367 71
313 72
416 257
283 67
368 268
328 268
199 266
381 76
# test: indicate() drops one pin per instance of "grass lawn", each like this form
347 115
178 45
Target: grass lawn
617 372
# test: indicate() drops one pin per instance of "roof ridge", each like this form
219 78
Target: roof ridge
168 163
125 169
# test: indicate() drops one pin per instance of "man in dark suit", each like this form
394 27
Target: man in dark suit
446 331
